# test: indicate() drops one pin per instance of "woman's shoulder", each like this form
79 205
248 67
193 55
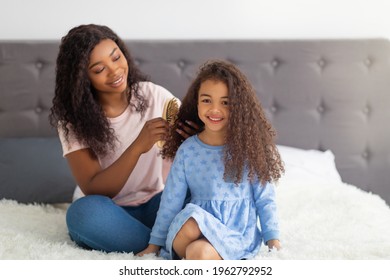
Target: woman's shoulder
151 89
156 94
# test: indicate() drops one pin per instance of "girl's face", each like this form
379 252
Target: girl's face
107 69
213 106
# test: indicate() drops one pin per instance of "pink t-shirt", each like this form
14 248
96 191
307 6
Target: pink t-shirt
148 176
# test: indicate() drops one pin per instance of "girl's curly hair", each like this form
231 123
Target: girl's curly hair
250 142
75 103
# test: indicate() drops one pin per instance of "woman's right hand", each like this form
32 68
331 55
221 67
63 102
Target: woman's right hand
154 130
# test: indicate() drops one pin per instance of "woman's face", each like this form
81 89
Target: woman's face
213 106
107 69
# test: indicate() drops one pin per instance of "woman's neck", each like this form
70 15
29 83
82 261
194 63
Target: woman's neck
113 104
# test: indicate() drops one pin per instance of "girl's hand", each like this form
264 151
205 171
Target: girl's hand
274 243
151 249
188 129
154 130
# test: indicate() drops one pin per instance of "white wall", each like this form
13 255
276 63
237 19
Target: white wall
199 19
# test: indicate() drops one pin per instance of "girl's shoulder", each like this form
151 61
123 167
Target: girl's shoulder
187 144
190 140
194 145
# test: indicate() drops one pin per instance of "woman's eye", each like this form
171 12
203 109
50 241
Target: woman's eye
206 101
99 70
225 103
117 57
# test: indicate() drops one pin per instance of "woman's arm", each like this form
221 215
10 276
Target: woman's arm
90 176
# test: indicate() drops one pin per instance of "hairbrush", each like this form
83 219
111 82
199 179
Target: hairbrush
171 108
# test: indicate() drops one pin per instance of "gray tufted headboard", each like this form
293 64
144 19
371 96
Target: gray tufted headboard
319 94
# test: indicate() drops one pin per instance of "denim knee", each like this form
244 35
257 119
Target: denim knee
95 221
82 211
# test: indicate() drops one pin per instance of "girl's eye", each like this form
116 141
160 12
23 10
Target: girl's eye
205 101
225 103
117 57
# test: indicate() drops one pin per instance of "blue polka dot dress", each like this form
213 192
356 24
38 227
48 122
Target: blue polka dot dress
227 214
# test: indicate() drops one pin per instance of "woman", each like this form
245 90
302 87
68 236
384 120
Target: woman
109 118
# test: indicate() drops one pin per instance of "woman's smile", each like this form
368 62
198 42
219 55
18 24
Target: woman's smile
117 82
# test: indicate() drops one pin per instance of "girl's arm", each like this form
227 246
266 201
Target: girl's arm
267 212
274 243
151 249
172 200
90 176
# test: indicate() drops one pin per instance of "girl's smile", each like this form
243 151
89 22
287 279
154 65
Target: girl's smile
215 119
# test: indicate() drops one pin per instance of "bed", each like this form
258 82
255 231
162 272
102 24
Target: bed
328 100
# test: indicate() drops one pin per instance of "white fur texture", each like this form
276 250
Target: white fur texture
318 221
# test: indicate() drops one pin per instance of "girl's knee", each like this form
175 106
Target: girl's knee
190 230
201 250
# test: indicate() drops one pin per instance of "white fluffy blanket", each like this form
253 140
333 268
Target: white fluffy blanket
318 221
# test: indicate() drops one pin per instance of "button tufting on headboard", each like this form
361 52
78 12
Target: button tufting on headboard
321 63
181 64
39 64
327 94
275 63
368 62
321 109
366 155
38 110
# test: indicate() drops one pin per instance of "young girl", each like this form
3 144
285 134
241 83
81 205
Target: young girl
228 168
109 118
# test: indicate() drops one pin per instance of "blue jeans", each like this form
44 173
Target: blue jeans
96 222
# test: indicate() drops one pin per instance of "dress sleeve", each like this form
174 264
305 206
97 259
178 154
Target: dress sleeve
172 200
266 210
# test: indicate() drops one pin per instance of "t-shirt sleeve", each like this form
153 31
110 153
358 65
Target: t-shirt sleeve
161 94
72 144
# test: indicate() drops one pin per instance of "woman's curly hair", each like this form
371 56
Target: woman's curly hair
250 142
75 103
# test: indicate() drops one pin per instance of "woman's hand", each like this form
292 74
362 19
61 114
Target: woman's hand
154 130
188 129
151 249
